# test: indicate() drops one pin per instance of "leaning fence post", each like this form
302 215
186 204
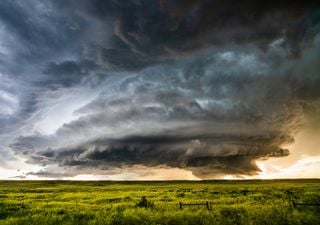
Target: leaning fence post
180 205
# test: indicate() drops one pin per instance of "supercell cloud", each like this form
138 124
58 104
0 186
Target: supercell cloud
109 87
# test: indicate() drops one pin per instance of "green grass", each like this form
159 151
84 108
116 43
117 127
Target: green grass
233 202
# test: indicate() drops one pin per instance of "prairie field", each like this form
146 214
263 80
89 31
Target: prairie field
108 202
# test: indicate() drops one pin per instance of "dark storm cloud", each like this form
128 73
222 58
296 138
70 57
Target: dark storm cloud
68 73
35 38
32 35
209 86
225 110
146 32
213 154
209 122
39 32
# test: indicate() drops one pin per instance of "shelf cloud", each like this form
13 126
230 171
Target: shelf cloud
106 87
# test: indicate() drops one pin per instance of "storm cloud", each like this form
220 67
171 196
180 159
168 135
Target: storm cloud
205 86
148 32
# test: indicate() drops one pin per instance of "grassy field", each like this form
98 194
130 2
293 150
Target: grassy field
233 202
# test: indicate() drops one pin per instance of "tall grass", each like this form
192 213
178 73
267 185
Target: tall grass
93 203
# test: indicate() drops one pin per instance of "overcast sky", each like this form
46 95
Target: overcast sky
159 89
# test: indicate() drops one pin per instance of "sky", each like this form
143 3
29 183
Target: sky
159 89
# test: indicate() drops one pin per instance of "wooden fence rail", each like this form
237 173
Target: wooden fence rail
294 204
